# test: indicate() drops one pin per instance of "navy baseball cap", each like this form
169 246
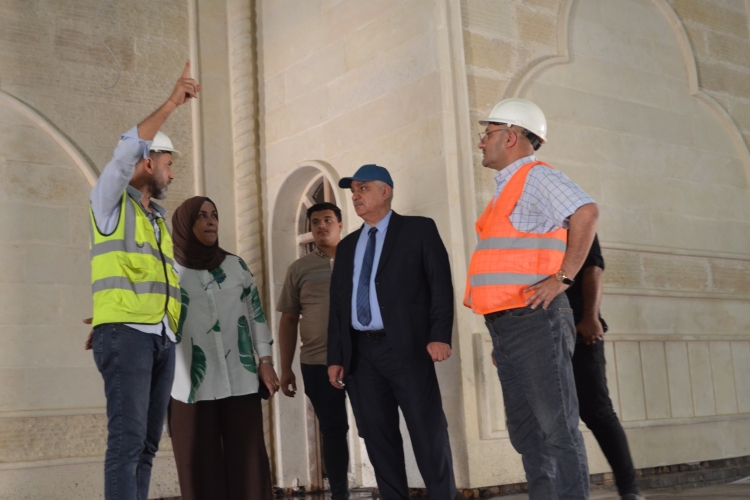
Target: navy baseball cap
367 173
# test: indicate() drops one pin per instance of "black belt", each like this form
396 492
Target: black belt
493 316
372 334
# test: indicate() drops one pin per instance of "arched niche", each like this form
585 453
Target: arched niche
45 280
297 444
629 123
285 217
30 114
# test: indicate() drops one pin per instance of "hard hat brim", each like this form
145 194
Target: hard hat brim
486 121
173 151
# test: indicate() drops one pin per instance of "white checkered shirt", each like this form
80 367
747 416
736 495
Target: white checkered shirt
549 198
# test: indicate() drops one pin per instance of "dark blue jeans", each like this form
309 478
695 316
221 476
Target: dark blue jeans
137 369
533 349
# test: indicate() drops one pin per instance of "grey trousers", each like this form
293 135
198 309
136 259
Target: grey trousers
533 349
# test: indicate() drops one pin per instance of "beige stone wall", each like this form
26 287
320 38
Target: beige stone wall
651 123
53 59
58 126
500 40
650 113
718 34
45 279
51 397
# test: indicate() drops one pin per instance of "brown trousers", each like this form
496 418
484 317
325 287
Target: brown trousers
219 449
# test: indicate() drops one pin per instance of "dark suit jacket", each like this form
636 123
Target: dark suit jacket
414 288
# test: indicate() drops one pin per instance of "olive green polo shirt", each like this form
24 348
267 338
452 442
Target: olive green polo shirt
306 293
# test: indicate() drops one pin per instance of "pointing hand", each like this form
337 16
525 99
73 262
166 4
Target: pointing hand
186 87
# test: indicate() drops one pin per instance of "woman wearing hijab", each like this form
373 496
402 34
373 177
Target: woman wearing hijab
215 413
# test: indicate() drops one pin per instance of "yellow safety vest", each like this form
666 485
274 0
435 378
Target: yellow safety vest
132 278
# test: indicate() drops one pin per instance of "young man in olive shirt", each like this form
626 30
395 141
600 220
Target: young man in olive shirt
595 406
306 294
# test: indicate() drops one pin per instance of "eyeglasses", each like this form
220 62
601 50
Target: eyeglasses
487 133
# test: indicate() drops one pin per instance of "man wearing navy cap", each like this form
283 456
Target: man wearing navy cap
390 321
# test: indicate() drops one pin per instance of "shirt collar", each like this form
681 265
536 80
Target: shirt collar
383 224
321 254
505 174
136 195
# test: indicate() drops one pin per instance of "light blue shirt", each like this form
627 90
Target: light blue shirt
115 178
376 322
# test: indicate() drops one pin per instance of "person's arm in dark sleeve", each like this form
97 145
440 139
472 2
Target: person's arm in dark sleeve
438 271
335 349
590 328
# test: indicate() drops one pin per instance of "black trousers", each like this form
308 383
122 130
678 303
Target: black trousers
595 408
380 384
329 404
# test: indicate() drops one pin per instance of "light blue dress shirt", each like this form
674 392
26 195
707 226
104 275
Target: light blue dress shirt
107 193
376 323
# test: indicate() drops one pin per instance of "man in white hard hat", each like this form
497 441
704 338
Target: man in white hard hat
136 296
533 236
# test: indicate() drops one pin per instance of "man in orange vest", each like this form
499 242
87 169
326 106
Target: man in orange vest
534 234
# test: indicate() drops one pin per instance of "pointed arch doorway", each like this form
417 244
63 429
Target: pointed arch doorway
318 190
297 444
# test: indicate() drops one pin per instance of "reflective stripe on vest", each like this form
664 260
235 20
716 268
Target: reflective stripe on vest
507 261
506 279
521 244
132 274
138 288
123 246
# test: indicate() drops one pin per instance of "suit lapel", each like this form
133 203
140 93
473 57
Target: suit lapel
391 235
349 258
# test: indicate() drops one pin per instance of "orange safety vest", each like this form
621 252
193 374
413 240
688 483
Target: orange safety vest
507 261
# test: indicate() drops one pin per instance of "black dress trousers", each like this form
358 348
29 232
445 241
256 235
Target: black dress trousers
380 384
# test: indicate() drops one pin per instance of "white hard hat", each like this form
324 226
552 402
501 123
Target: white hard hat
522 113
162 143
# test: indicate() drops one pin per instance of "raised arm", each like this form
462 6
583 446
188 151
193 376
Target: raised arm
133 146
185 89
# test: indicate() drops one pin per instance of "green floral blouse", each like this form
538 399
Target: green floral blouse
222 326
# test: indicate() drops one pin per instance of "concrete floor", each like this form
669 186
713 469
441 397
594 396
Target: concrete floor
731 491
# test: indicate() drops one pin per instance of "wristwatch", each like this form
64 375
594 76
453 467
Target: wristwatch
563 278
266 362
